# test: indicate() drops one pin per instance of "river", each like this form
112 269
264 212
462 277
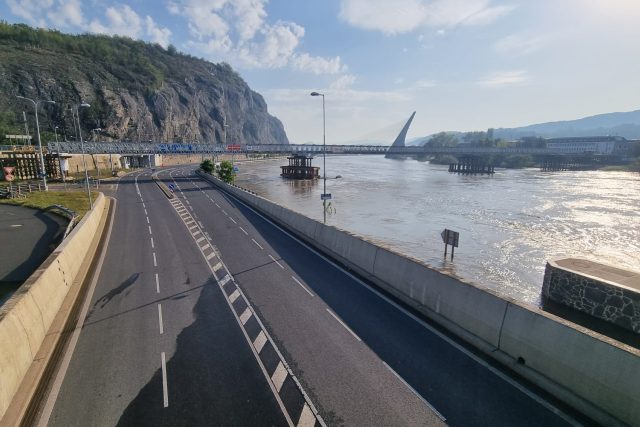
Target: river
510 223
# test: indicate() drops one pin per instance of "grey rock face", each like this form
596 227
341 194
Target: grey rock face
175 98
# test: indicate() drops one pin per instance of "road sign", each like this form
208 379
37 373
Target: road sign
233 147
8 173
18 136
326 196
450 237
236 169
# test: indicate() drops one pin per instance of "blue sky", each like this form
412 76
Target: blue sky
461 64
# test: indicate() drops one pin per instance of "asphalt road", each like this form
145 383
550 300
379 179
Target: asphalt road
28 236
245 325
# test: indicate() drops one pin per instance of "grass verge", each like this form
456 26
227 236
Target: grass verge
77 201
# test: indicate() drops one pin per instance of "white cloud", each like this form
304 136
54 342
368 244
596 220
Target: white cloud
317 64
520 44
30 10
237 31
504 78
423 84
67 13
343 82
121 20
390 17
157 34
403 16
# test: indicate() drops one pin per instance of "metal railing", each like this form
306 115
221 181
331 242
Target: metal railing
72 216
13 191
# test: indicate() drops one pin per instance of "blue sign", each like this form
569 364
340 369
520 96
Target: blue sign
235 169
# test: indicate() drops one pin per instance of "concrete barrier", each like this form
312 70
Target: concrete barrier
26 317
596 375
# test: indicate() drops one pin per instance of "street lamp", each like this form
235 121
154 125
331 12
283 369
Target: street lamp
55 131
96 162
324 158
35 106
84 163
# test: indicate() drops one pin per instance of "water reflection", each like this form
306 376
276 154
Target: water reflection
510 223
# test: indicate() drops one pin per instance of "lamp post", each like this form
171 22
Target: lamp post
324 158
96 162
55 131
35 107
84 163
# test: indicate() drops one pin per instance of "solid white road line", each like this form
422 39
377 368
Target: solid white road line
302 286
155 262
274 260
425 325
415 392
64 365
243 230
279 376
254 241
259 342
160 319
157 284
165 391
343 324
152 245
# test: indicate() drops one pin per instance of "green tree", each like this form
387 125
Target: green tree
225 172
443 139
207 166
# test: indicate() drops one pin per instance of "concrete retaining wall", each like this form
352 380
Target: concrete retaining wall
596 375
26 317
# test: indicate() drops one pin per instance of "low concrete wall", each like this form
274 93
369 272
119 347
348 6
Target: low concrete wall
596 375
616 302
26 317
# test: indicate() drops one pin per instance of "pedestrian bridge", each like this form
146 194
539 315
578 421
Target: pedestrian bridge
147 148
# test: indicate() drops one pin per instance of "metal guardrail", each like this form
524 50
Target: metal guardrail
12 191
71 215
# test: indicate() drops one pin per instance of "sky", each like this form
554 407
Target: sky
460 64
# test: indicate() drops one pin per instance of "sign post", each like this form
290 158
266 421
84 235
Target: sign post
450 237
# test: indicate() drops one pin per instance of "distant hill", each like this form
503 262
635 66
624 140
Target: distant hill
137 90
619 124
626 124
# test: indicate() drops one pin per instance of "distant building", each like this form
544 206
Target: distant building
602 145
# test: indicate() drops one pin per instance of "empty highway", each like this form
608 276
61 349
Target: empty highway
203 312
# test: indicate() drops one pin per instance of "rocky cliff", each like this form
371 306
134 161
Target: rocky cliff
137 91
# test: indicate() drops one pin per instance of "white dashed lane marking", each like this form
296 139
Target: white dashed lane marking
302 286
258 244
276 261
243 230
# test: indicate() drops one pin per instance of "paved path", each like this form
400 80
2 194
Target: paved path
205 313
